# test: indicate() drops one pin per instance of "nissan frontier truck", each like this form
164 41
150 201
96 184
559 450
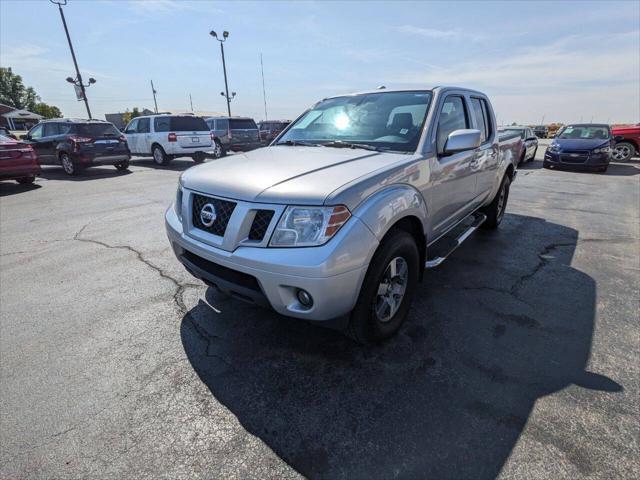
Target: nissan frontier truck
342 213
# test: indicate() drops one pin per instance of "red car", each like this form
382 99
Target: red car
629 145
18 161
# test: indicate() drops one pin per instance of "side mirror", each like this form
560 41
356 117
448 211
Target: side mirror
462 140
25 137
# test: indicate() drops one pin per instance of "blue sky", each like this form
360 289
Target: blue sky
566 61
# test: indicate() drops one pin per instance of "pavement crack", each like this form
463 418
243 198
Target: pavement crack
178 294
542 262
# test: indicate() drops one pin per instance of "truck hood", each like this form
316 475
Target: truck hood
285 175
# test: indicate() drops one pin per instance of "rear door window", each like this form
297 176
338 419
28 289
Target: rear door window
242 124
161 124
478 116
143 125
222 124
453 116
188 124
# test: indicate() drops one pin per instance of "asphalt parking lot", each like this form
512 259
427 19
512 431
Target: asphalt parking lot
520 358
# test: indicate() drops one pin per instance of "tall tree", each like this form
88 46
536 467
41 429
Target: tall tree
15 94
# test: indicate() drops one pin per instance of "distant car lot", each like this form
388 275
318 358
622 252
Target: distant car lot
116 363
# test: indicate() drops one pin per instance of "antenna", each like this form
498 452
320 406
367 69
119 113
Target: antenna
154 96
264 93
191 102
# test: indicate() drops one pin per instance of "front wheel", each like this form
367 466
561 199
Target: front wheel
495 210
218 149
26 180
387 289
160 158
623 151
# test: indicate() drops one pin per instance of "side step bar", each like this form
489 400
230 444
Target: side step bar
448 243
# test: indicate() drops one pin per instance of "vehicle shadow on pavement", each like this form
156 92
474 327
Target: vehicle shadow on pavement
11 187
177 165
505 321
93 173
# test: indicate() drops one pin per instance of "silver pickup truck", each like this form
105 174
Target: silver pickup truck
345 209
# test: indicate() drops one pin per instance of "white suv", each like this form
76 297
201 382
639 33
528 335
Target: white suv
166 137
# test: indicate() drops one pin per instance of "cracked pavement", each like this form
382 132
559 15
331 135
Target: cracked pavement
520 358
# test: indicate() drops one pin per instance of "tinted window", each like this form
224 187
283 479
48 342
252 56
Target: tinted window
222 124
211 124
36 132
478 115
161 124
95 129
51 129
144 125
242 124
453 116
488 124
184 124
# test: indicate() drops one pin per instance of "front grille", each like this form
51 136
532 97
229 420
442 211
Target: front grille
574 157
232 276
260 224
223 210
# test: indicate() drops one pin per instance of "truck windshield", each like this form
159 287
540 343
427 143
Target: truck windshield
385 120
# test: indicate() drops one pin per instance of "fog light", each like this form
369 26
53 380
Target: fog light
305 298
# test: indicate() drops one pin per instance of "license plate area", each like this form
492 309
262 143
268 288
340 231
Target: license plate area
195 139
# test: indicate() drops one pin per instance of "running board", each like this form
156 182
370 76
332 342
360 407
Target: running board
446 245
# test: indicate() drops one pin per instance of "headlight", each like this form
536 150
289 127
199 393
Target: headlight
554 147
604 149
308 226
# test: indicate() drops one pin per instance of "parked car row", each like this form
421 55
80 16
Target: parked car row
529 141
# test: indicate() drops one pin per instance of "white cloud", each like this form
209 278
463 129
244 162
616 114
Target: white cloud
438 34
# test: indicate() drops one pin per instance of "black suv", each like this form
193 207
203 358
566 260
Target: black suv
77 144
270 129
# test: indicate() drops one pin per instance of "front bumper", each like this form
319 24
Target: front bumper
332 274
567 159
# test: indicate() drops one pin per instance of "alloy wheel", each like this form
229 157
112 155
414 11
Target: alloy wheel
67 164
391 289
621 153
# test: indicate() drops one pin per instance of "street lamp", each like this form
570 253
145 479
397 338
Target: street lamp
225 34
78 79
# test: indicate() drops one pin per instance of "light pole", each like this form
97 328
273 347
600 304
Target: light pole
78 79
225 34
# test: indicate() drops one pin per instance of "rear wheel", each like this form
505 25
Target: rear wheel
623 151
218 151
198 157
122 165
387 289
160 158
495 210
26 180
69 167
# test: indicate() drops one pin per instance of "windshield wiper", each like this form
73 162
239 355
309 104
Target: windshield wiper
295 143
341 144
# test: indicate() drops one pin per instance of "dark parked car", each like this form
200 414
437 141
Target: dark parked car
541 131
18 161
529 139
583 146
270 129
233 133
78 144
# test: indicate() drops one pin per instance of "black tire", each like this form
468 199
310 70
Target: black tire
68 165
623 151
122 165
495 210
546 164
604 169
26 180
159 156
198 157
365 325
533 157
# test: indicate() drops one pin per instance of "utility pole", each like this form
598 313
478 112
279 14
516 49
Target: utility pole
264 94
154 96
225 35
78 79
